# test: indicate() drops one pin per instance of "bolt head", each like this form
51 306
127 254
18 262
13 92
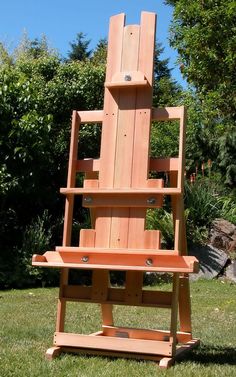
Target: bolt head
128 78
85 259
151 201
149 262
88 199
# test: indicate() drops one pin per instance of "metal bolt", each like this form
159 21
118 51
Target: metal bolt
128 78
151 201
85 259
149 262
88 199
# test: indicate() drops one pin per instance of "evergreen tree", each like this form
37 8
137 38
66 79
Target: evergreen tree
203 32
100 52
79 48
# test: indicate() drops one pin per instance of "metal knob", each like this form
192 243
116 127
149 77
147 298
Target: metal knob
149 262
151 201
88 199
85 259
128 78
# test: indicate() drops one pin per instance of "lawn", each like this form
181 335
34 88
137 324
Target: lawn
28 321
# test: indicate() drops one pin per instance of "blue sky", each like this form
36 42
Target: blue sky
61 20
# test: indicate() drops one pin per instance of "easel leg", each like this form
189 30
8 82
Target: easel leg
61 307
174 312
184 305
100 284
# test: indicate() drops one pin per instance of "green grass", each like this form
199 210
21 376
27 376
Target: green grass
28 319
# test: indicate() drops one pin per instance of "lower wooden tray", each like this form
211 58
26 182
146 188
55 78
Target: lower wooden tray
135 260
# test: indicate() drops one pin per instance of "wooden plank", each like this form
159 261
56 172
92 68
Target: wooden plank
87 238
91 116
128 77
118 201
68 218
126 84
182 139
88 165
153 347
115 261
109 129
164 164
107 353
137 333
185 304
112 250
166 113
117 296
174 312
140 144
120 191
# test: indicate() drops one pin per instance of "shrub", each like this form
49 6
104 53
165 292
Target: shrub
202 201
37 239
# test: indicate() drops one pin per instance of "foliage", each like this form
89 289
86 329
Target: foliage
202 201
228 209
162 220
37 236
166 91
203 32
100 52
79 48
38 94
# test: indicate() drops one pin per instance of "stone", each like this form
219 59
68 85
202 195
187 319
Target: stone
212 261
230 272
223 235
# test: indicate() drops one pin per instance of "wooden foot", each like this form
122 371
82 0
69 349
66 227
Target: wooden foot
53 352
166 362
187 347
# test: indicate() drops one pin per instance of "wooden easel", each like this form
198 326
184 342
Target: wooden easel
118 191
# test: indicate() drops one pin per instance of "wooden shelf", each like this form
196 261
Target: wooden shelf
126 80
112 191
88 258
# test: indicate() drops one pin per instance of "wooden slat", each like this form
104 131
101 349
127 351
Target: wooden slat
97 352
128 77
94 116
88 165
153 347
118 201
112 250
166 113
68 217
164 164
182 139
120 191
135 333
126 84
117 296
109 129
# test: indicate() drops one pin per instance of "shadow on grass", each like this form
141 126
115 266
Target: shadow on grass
207 354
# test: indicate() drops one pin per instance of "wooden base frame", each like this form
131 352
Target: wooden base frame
163 361
119 190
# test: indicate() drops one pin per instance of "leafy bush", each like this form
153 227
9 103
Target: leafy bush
202 201
228 209
162 220
36 240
